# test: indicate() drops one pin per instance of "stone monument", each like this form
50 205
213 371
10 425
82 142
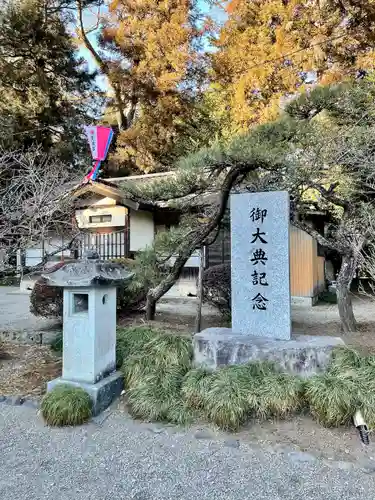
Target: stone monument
261 311
89 327
260 264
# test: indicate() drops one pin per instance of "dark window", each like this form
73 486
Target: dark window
80 302
95 219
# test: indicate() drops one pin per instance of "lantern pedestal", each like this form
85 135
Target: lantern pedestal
89 329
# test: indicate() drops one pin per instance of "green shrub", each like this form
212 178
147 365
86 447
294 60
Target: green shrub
216 291
147 274
46 300
66 405
132 296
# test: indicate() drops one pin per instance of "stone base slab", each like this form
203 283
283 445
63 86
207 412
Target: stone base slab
303 355
102 393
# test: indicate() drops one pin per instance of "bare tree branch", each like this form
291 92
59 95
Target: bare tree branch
32 205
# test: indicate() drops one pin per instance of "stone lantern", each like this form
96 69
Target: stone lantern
89 327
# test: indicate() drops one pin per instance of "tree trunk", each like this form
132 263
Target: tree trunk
150 307
344 299
195 241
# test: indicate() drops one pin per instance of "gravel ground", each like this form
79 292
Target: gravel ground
121 459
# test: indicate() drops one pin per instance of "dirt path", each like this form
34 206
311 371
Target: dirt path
323 319
25 369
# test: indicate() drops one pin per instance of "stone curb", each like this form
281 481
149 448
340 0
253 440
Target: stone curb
19 401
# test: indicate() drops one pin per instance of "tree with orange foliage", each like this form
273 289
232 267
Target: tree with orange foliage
268 50
151 57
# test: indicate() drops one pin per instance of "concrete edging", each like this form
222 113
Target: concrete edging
20 401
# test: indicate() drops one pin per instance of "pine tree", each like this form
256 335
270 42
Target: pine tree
268 50
321 151
43 85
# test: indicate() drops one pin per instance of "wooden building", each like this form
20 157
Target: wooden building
116 226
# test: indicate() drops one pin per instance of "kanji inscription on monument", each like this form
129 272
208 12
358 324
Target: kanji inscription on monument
260 264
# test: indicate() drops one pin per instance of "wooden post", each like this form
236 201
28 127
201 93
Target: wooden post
198 317
19 268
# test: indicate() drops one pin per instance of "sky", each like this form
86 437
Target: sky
91 18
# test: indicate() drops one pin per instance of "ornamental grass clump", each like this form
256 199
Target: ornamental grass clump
195 387
130 340
231 396
229 399
66 405
279 395
154 367
348 385
159 398
331 399
161 384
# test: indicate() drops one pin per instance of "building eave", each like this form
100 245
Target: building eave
105 190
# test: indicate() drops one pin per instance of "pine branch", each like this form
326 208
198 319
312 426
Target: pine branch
317 236
330 196
199 236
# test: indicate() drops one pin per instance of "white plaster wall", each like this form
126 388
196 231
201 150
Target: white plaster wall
141 230
104 201
118 216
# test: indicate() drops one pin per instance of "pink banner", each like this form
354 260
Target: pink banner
99 139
